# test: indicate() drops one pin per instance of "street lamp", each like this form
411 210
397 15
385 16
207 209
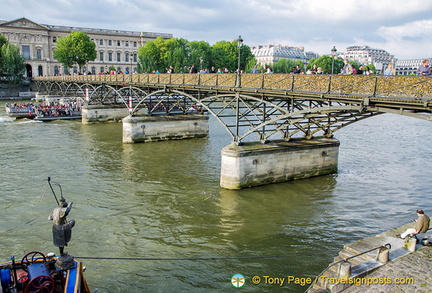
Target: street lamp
239 44
131 59
201 62
130 87
333 52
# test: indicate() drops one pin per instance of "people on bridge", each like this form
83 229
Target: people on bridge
421 226
424 69
390 70
367 71
347 69
193 69
170 69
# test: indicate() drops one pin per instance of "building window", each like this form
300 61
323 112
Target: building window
135 44
101 56
101 42
38 54
109 42
54 39
93 70
102 69
118 57
118 43
126 57
26 51
110 56
56 70
126 44
40 71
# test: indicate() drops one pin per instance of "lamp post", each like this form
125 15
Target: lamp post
130 70
333 52
201 62
130 87
239 45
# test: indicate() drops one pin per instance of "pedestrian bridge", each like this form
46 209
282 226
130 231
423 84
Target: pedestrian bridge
256 107
281 125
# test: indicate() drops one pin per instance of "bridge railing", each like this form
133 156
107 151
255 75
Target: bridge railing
405 87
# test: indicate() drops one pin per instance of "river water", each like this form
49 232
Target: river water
161 203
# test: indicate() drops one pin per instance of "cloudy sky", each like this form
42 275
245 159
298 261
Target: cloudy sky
401 27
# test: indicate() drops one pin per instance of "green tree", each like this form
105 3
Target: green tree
177 54
225 54
151 55
75 48
12 64
285 65
3 41
159 54
222 55
326 62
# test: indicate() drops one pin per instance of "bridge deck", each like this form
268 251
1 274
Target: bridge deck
264 104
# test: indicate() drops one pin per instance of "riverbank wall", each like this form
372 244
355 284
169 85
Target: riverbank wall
381 263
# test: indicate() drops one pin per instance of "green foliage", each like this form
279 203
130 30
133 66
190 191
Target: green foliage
285 66
75 48
326 62
159 54
12 64
3 41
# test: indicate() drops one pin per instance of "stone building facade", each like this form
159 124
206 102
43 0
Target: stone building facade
267 55
37 42
366 55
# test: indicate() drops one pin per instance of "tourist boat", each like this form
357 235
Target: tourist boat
51 114
37 272
23 111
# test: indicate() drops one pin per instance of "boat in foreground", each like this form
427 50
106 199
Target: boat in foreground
40 273
37 272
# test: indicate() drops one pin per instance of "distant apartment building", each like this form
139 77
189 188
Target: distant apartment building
267 55
366 55
408 66
37 43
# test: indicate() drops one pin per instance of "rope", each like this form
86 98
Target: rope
192 258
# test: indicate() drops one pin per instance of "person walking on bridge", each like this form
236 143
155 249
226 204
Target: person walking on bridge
347 69
424 69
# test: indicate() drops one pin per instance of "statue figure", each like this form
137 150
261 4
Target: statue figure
62 229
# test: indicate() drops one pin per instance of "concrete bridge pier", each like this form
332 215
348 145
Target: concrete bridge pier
146 128
103 113
253 163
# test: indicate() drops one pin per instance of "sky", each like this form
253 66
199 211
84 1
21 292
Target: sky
401 27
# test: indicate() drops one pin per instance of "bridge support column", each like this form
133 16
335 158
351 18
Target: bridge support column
253 163
103 113
148 128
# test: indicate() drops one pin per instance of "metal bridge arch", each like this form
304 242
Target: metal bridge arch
245 115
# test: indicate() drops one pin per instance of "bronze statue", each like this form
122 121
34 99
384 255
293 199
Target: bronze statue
62 229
